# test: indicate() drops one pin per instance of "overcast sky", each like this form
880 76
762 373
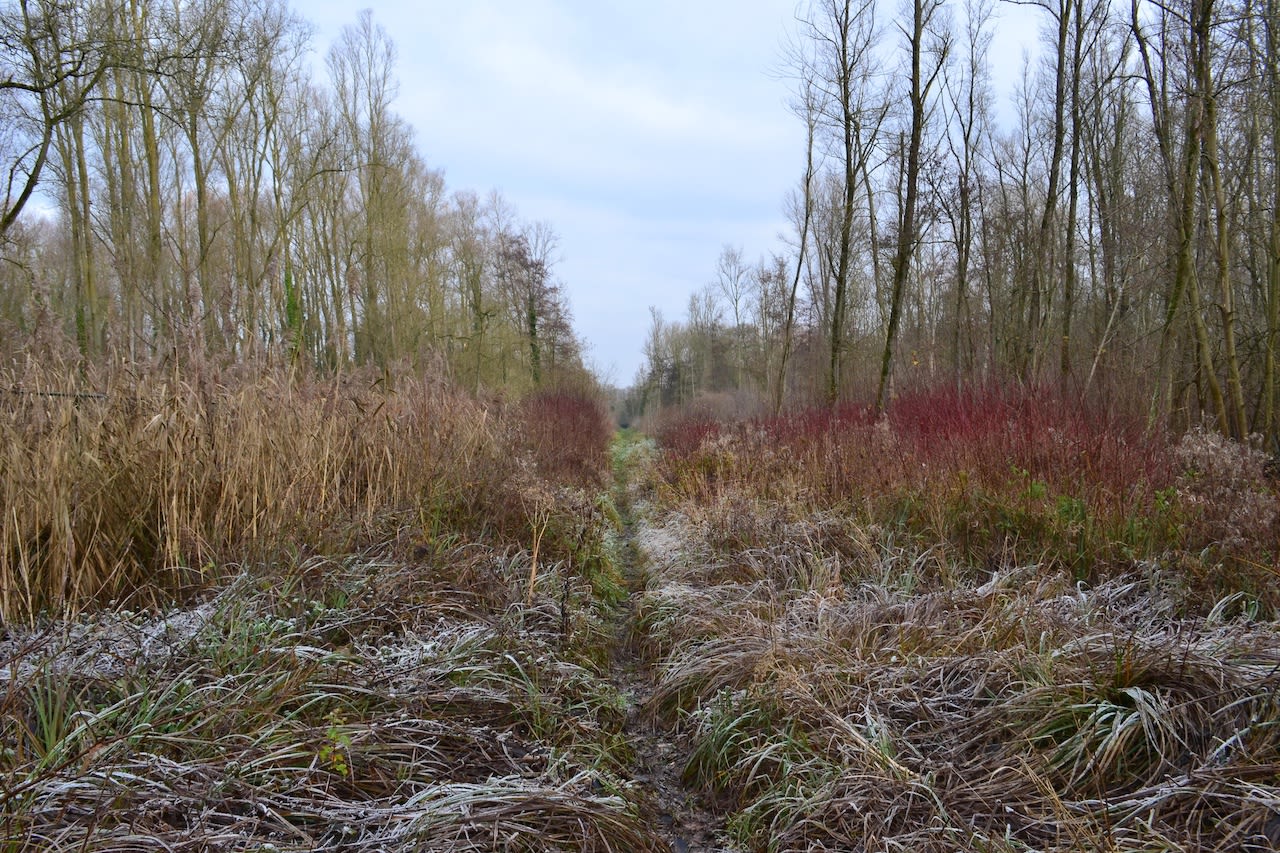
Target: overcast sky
648 133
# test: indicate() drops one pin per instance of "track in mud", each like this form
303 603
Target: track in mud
679 814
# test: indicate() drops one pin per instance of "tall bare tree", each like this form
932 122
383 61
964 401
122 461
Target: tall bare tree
928 44
841 69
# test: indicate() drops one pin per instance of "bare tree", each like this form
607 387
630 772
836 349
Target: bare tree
733 279
968 92
524 265
806 106
1270 63
840 69
1182 186
53 58
361 65
926 36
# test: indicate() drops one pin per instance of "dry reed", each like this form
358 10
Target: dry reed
141 491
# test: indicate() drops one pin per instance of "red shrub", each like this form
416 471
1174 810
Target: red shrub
1069 443
683 433
568 434
980 466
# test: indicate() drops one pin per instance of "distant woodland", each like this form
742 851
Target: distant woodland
182 187
1114 230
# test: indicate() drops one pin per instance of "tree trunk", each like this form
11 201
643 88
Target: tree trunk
921 12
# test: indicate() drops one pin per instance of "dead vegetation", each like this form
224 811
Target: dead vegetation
364 704
211 674
141 491
842 682
820 666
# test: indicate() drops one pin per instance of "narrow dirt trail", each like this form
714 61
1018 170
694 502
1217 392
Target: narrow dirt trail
679 814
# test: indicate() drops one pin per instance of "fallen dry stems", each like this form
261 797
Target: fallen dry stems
354 704
886 704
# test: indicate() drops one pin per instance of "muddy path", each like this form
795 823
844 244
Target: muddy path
678 814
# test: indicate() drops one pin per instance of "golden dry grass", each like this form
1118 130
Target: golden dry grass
885 702
142 491
271 612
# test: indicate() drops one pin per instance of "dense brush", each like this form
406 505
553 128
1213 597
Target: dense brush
983 622
143 490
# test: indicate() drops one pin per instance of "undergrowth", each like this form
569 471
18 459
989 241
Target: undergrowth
996 476
369 612
988 621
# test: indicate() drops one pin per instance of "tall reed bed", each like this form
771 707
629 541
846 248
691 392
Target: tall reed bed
141 488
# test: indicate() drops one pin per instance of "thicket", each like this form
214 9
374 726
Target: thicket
995 476
147 488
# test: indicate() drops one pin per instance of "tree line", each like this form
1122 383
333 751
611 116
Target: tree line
1115 229
181 184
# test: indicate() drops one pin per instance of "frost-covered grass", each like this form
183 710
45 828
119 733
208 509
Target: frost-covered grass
862 635
358 704
272 612
846 672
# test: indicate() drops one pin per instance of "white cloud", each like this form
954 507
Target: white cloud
617 264
555 106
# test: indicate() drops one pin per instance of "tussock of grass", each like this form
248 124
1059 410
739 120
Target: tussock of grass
358 704
895 700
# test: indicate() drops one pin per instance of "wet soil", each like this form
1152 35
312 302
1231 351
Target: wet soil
679 814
